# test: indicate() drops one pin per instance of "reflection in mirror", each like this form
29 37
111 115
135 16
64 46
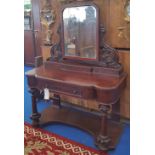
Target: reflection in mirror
80 24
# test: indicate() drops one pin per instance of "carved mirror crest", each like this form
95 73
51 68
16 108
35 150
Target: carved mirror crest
81 36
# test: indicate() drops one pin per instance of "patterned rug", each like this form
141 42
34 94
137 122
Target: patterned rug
41 142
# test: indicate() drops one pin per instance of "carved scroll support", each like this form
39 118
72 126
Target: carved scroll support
35 115
108 55
103 140
56 51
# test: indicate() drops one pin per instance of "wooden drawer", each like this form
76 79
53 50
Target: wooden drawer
57 87
73 90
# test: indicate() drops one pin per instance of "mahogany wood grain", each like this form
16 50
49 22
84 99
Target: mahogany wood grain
91 104
80 83
102 81
110 20
112 17
105 89
82 121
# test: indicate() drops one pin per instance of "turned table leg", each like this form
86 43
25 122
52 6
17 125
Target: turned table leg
35 115
103 140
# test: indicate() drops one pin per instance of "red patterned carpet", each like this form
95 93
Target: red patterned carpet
41 142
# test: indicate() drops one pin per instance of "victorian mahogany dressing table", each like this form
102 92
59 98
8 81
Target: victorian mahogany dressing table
82 66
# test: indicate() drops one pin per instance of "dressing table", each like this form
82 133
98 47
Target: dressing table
83 66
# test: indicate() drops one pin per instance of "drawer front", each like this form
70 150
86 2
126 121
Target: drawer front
58 87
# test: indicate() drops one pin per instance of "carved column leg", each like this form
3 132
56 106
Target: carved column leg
35 115
103 140
56 101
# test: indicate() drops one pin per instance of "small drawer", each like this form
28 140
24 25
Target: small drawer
68 90
64 88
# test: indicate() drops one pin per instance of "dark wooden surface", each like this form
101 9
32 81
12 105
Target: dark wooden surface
88 85
82 121
80 83
124 56
102 81
112 17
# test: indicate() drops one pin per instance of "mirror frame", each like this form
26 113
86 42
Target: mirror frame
80 4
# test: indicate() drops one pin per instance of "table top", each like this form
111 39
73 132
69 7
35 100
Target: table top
71 77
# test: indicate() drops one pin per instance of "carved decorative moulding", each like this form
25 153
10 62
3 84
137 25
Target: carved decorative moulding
81 37
109 57
56 50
